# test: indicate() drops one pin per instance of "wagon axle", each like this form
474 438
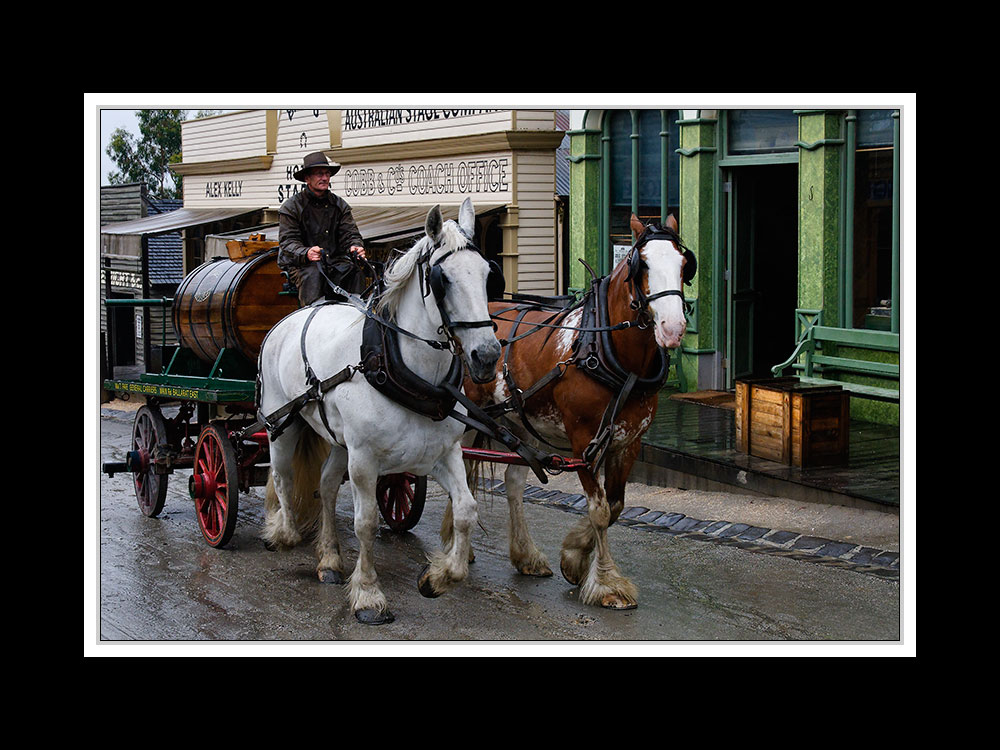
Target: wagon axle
114 467
138 461
201 486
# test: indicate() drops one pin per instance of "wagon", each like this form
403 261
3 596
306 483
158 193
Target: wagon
199 408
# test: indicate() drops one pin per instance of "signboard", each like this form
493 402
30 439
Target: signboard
362 119
458 177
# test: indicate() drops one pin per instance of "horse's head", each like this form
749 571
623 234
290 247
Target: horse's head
669 265
458 281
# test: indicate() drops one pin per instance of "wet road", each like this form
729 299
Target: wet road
160 582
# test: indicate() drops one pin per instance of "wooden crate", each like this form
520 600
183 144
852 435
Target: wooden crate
783 420
255 243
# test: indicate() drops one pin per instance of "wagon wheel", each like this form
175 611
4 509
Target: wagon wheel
401 500
214 485
148 431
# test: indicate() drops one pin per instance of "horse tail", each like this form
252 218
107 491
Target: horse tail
310 454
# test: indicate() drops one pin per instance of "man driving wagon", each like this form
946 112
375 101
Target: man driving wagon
317 234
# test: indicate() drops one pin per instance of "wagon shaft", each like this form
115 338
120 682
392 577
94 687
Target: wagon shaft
552 463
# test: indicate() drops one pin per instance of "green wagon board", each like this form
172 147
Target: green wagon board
184 388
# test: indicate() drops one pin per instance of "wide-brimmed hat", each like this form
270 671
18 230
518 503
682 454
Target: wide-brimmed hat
313 160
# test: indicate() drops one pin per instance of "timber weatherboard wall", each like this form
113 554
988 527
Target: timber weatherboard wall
398 157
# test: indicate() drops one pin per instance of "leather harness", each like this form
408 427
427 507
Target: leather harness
383 367
592 352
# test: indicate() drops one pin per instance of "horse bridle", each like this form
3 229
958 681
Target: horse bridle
640 301
437 281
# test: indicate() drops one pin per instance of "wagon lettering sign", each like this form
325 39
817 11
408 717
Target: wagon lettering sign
464 177
152 389
363 119
224 189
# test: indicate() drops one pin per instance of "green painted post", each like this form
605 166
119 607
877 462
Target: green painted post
698 221
820 167
584 205
896 302
664 165
852 145
604 265
635 163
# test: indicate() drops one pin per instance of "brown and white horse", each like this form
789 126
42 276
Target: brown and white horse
645 314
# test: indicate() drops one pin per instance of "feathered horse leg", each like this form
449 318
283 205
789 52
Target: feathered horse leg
367 600
330 568
448 568
586 555
524 554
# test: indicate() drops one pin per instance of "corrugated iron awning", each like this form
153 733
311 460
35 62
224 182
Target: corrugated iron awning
385 223
172 221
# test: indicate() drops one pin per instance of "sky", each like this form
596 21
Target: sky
111 120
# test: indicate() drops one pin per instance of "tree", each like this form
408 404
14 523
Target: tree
146 159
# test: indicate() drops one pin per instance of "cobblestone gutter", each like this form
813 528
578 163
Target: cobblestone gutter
876 562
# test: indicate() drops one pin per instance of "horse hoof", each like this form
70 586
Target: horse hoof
424 584
540 572
270 546
613 601
569 578
331 576
374 616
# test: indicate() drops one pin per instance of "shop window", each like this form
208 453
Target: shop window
620 131
655 131
761 131
873 212
874 127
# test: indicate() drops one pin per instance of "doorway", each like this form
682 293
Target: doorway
762 258
123 331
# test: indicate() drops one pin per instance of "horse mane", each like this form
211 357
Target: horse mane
402 269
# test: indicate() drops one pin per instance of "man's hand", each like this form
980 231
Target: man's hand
316 252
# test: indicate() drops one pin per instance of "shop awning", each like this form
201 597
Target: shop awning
386 223
173 221
376 224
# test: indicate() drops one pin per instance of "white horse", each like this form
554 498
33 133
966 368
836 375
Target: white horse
369 434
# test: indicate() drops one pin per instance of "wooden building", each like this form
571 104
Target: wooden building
396 165
142 247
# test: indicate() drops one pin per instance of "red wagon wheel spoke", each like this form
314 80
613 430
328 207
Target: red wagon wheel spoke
215 485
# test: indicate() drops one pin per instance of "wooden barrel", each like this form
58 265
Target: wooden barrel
231 304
